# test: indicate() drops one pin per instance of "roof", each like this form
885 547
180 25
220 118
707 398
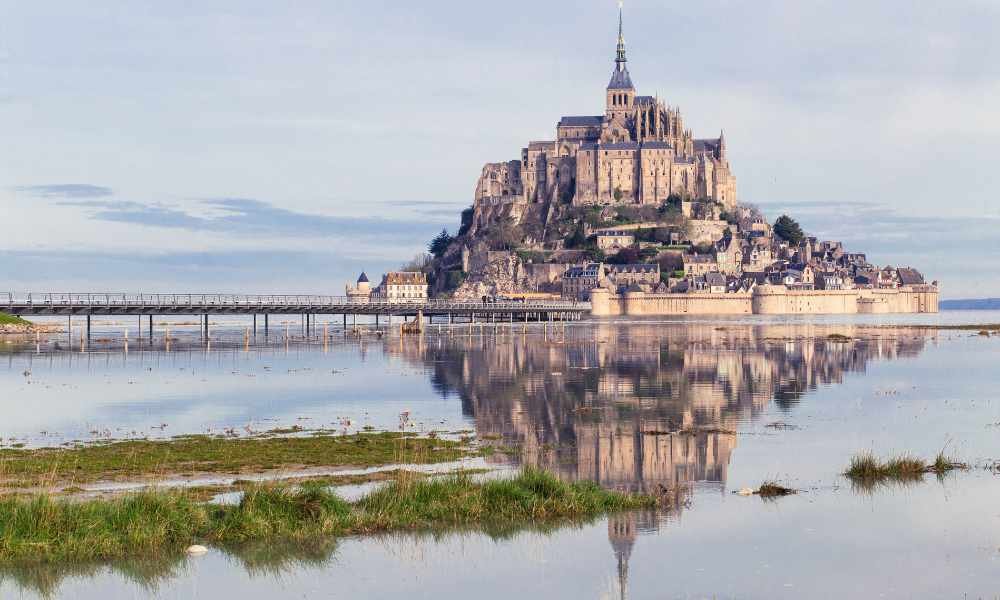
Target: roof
620 146
636 268
590 270
910 277
405 278
645 100
363 278
581 121
656 146
620 80
714 279
706 145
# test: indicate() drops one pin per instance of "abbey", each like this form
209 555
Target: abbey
638 152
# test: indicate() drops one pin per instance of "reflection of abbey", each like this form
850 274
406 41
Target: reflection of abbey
637 152
634 407
642 407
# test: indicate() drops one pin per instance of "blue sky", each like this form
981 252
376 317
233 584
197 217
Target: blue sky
259 146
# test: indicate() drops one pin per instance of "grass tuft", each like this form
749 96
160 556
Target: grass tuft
773 489
6 319
44 529
193 454
867 470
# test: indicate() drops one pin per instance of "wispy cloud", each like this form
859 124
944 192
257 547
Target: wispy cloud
66 190
240 216
245 215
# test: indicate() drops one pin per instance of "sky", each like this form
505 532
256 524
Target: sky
262 147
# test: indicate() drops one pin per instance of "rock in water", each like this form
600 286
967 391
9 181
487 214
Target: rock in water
196 550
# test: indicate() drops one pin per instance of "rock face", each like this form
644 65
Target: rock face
503 274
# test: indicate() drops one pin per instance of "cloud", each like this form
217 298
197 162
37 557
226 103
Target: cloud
250 216
66 190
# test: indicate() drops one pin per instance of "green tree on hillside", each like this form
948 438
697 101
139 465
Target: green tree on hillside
440 243
789 230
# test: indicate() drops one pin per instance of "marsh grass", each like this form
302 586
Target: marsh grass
151 459
867 470
773 489
153 522
6 319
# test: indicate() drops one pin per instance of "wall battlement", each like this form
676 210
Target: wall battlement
769 300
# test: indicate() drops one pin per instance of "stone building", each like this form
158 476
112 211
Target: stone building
361 291
640 274
637 153
402 286
614 240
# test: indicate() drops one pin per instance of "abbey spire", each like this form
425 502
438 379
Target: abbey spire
621 60
620 79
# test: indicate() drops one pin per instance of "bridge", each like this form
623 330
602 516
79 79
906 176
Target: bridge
204 305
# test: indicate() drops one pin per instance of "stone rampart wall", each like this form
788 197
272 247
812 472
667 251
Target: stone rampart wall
769 300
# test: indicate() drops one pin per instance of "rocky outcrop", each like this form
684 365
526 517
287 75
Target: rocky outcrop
503 274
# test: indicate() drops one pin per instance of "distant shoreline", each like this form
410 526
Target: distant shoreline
973 304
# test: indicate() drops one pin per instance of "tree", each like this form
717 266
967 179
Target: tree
670 262
625 256
420 262
648 253
662 235
787 229
593 254
579 237
440 244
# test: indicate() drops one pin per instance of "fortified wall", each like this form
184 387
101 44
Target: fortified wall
768 300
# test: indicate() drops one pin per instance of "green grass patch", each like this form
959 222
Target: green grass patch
6 319
44 529
149 459
867 470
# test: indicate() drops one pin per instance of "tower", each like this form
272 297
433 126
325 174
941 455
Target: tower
620 92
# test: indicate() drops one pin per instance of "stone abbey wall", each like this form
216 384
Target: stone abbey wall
768 300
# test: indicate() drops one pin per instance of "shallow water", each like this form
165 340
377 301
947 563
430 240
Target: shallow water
701 407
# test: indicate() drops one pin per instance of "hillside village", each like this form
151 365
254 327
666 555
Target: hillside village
685 247
629 200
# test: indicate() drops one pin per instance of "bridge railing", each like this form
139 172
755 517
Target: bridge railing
265 301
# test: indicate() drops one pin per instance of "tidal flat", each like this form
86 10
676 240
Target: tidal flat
682 412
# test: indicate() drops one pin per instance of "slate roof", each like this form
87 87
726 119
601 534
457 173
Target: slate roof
363 278
620 80
638 268
706 145
910 277
581 121
620 146
714 279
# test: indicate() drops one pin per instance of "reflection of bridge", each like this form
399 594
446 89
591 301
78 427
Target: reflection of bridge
71 304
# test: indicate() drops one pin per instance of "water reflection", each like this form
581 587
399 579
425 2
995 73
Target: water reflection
632 406
641 407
